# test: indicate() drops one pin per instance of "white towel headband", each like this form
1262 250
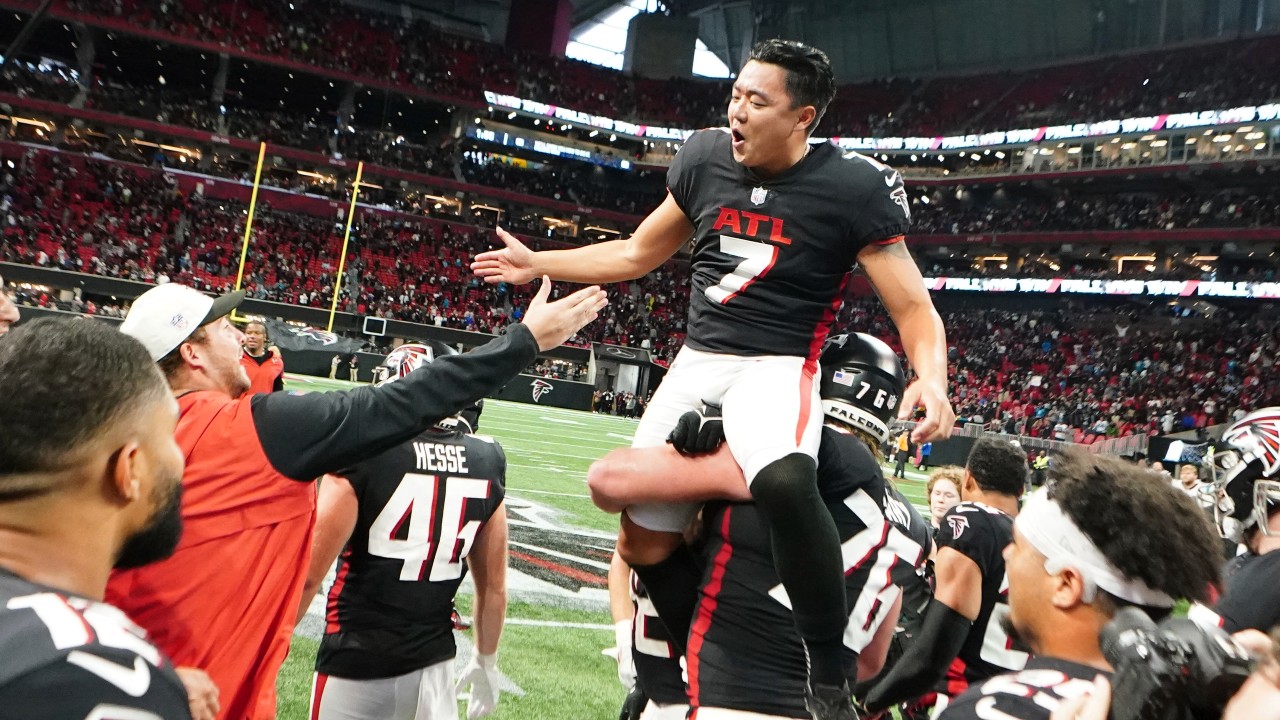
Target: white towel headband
1043 523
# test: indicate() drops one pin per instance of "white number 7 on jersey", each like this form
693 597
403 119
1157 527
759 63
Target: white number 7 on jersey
758 259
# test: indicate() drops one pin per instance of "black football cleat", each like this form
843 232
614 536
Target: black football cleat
829 702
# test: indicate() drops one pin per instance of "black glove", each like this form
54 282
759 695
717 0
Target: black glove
634 705
698 431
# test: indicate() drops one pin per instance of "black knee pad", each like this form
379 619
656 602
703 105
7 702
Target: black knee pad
786 485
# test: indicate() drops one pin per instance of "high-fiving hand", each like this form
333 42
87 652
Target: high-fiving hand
553 323
512 264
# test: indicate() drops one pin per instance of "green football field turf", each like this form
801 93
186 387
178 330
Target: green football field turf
552 653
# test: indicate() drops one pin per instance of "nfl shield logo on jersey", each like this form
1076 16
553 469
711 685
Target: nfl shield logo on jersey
759 195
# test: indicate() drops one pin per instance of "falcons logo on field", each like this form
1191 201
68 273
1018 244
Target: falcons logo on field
540 388
1257 437
958 524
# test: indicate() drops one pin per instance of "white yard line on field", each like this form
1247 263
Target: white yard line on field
519 491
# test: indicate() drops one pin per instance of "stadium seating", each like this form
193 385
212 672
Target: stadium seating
1097 372
89 215
330 35
1032 370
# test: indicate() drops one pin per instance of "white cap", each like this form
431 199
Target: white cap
163 317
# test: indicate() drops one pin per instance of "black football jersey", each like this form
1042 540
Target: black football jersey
1030 694
421 506
64 657
744 651
771 257
981 532
1252 593
656 658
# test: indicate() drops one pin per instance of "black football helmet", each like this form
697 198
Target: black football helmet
862 383
1246 473
411 356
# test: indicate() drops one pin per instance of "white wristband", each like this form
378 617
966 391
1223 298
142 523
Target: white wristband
488 662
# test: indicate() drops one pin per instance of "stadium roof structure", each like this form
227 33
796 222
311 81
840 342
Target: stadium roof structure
599 35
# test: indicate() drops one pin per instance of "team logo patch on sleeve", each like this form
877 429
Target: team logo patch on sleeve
958 525
899 195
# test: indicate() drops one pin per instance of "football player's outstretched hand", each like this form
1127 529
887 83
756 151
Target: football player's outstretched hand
698 431
512 264
554 322
478 683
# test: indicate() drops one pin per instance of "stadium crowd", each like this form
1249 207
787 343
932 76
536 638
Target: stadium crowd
1084 373
106 219
437 155
95 216
104 438
943 214
416 56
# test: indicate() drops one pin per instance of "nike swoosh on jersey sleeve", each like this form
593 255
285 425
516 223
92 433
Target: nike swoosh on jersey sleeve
134 681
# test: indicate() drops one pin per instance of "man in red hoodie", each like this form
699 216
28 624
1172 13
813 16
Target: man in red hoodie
225 601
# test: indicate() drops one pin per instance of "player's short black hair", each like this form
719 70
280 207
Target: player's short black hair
65 381
810 80
998 466
1148 529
